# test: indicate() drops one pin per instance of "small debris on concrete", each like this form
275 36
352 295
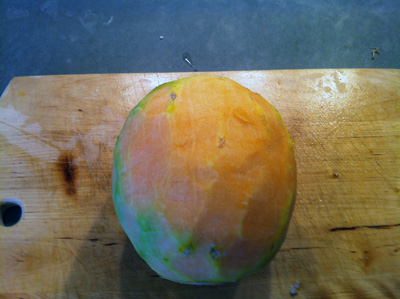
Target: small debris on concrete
109 21
186 57
375 50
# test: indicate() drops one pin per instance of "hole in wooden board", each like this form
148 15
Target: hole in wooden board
11 211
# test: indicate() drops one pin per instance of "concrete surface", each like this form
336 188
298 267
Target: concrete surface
76 37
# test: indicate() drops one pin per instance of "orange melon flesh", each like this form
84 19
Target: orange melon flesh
204 180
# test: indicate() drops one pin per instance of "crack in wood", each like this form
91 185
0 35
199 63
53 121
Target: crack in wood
383 226
79 239
301 248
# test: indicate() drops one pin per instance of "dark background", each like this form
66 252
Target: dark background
103 36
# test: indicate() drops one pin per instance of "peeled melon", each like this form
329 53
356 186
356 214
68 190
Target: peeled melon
204 180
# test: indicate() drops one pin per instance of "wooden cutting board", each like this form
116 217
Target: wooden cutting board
57 136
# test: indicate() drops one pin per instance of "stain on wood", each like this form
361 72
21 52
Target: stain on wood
368 258
68 170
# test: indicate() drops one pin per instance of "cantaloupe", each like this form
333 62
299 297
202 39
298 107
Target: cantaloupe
204 180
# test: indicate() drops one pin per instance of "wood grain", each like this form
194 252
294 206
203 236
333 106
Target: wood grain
57 136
